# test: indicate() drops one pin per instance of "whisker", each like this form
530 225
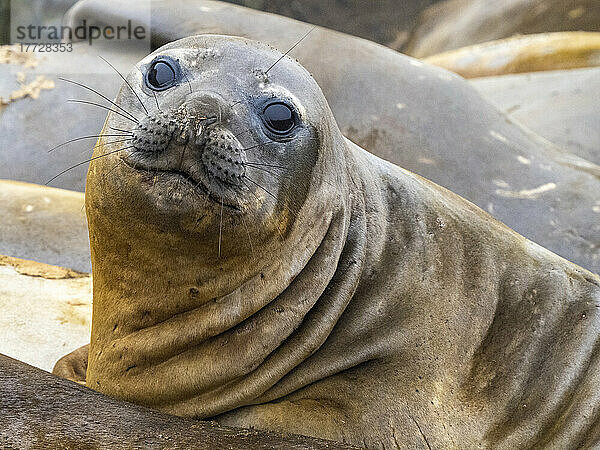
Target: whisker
188 82
274 175
119 129
243 132
254 146
102 106
101 95
254 182
109 143
111 170
220 226
156 100
172 192
126 82
105 144
183 156
98 145
245 226
84 137
85 162
255 164
277 176
254 193
291 48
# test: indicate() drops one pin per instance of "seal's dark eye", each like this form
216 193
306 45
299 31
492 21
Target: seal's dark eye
161 75
279 118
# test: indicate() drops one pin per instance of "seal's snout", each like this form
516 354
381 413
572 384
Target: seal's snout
192 141
222 154
185 124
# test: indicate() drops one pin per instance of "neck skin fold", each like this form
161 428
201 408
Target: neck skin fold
190 345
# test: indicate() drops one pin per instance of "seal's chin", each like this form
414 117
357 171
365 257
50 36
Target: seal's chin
178 183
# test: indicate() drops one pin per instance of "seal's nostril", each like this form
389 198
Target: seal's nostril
223 156
152 135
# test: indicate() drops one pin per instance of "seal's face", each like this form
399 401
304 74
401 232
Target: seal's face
216 128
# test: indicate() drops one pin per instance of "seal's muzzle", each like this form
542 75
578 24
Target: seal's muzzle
195 135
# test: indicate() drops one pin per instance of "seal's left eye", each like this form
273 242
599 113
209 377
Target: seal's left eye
279 118
161 75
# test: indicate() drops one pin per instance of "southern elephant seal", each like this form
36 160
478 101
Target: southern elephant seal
453 24
39 410
422 118
560 105
387 22
252 265
523 54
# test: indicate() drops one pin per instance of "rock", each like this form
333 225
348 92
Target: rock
46 311
44 224
387 22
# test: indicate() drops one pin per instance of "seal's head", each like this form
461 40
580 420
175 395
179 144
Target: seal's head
217 138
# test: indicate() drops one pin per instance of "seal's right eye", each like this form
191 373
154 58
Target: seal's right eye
161 75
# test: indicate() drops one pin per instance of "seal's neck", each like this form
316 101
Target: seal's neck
196 349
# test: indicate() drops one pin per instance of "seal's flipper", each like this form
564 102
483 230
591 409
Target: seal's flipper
73 366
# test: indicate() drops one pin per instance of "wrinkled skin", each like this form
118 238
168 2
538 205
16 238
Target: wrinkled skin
373 307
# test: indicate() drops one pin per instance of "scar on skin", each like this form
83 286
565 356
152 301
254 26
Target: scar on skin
527 193
498 136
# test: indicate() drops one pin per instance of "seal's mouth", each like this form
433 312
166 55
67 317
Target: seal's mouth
189 152
182 179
